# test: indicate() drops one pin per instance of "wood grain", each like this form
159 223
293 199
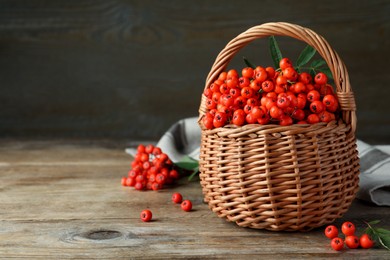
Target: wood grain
98 68
63 200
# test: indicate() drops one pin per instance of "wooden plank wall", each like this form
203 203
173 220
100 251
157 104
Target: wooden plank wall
129 69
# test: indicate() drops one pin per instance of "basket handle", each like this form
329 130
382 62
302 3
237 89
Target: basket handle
336 65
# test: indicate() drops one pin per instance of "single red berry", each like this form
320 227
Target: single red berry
149 148
313 95
320 78
313 119
247 72
123 181
290 73
352 241
348 228
317 107
268 86
146 215
285 63
260 74
186 205
220 119
337 243
130 182
366 241
177 197
331 231
238 117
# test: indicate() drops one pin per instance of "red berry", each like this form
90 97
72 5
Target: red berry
331 231
366 241
348 228
285 63
320 78
146 215
337 243
352 241
177 197
186 205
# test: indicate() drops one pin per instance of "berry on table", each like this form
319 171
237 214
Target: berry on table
177 197
146 215
186 205
337 243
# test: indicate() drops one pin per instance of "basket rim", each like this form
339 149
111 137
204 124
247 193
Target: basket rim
335 63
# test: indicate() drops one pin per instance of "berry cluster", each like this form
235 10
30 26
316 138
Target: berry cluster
177 198
151 169
351 240
265 95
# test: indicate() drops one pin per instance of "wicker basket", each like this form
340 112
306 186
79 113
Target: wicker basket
281 177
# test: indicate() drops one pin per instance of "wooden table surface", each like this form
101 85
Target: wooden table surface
64 200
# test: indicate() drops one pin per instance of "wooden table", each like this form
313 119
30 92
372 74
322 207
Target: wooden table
64 200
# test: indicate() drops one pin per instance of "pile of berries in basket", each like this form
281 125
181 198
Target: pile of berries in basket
269 96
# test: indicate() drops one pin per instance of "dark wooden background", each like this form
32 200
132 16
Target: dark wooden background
129 69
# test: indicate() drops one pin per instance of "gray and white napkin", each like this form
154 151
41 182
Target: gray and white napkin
183 139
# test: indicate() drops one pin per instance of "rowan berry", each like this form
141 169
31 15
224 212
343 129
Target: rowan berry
313 95
239 117
243 82
270 72
260 74
305 78
348 228
223 88
283 101
275 112
290 74
186 205
247 72
285 120
250 119
285 63
247 92
220 119
366 241
320 78
208 121
352 241
331 231
317 107
313 119
146 215
268 86
337 244
177 197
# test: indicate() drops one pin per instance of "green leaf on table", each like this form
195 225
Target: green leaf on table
190 165
187 163
305 56
276 54
248 63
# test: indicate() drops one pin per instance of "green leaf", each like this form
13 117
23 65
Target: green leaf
194 173
188 163
385 241
248 63
374 222
318 63
382 231
276 54
327 72
305 56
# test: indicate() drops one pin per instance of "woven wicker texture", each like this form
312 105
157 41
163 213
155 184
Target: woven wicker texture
281 177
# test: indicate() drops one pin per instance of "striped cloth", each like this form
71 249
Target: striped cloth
183 139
